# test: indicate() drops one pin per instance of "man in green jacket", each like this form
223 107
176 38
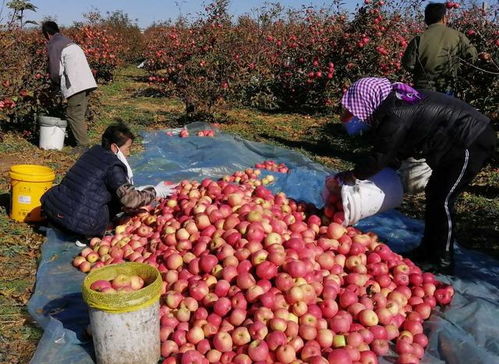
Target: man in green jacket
434 56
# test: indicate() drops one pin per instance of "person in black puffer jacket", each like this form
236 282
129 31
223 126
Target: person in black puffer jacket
98 186
455 139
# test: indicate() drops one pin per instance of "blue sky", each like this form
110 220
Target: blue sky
148 11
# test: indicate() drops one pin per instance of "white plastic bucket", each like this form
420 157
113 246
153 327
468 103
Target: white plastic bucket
126 338
380 193
415 174
52 132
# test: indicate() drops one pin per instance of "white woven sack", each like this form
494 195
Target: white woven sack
415 174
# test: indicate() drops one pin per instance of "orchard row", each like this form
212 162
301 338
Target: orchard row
304 60
277 60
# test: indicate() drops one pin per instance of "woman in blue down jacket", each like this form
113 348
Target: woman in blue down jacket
98 186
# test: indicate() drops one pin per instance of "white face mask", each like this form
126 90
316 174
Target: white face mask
123 159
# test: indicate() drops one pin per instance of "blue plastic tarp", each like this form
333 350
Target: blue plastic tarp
465 332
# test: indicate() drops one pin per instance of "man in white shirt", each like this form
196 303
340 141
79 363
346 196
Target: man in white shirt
68 67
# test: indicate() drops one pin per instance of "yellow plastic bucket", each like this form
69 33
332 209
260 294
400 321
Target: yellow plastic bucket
28 183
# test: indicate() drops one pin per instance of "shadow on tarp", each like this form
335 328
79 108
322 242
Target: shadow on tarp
57 304
465 332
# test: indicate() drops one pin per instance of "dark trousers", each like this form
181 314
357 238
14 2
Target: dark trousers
453 174
75 114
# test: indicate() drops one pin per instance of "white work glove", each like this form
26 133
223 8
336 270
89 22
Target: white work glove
164 190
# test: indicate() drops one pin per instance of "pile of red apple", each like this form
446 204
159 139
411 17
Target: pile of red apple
95 255
273 166
184 133
250 176
249 277
206 133
452 5
333 207
121 283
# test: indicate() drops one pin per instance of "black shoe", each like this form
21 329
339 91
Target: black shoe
418 255
443 264
438 268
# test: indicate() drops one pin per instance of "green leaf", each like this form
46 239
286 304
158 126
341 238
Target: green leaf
21 5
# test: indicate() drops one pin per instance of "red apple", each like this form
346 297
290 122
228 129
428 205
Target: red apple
286 354
222 341
339 356
258 350
241 336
